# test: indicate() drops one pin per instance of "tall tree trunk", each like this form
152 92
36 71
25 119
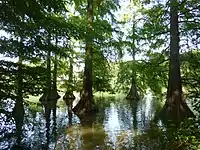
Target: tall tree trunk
69 96
47 90
18 110
71 73
175 108
49 66
55 72
54 93
86 104
133 93
19 74
70 90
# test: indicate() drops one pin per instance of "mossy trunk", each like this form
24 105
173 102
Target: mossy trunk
175 108
86 104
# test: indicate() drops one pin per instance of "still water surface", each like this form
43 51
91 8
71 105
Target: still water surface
46 126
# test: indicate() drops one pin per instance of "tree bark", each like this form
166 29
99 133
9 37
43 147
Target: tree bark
69 96
19 74
54 93
71 73
18 115
175 108
133 93
48 86
55 72
50 91
86 104
18 110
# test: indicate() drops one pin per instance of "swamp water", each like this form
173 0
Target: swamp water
46 126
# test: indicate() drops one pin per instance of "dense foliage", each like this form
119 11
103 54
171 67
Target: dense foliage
44 45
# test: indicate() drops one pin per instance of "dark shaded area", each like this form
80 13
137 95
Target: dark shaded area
18 115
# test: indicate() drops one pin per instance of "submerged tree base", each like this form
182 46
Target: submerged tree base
133 94
52 95
69 98
83 107
175 113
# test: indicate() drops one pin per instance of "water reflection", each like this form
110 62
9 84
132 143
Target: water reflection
48 126
92 133
50 107
18 115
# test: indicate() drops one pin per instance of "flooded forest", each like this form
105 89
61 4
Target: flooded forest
99 75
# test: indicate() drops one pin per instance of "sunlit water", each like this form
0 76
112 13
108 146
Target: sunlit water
113 127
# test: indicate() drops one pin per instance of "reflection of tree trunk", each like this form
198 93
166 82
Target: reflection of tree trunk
133 93
175 108
134 113
18 115
86 104
70 112
49 105
47 117
134 107
92 133
54 124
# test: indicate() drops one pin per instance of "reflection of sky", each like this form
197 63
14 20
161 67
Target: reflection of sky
119 119
111 123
